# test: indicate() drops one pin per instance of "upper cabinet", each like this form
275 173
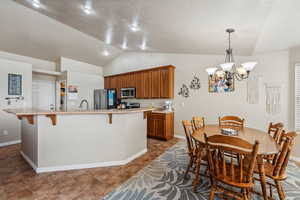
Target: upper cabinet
150 84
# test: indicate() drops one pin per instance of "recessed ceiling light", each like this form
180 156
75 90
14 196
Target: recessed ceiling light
87 11
143 45
36 3
124 45
134 27
106 52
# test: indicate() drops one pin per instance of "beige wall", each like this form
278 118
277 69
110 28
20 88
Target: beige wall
9 122
271 68
85 76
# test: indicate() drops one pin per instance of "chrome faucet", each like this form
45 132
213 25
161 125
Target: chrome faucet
87 104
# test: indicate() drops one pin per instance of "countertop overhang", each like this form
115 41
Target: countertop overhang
29 113
33 111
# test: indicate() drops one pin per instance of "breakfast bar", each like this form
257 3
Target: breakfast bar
58 140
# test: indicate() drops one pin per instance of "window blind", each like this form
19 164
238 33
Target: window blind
297 97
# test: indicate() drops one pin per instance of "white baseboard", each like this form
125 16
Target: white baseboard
28 160
83 166
296 159
4 144
179 136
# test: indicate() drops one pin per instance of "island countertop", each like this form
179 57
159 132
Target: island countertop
34 111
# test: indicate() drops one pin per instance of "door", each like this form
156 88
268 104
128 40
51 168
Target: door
167 83
160 128
43 93
106 82
155 83
138 77
147 84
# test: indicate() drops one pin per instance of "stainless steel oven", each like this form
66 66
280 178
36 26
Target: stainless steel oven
127 93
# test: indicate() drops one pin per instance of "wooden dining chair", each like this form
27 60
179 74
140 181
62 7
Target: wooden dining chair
195 151
198 122
232 173
233 121
277 169
275 131
188 130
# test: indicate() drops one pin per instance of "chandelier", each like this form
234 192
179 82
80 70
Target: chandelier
230 69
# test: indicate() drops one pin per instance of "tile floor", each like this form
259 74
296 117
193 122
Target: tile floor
19 181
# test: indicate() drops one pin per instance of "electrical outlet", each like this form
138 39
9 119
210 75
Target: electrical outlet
5 132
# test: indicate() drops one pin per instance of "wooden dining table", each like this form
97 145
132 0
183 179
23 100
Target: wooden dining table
267 145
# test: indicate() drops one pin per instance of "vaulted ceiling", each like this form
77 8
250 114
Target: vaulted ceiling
169 26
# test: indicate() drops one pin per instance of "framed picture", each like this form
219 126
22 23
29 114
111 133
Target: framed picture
14 84
218 84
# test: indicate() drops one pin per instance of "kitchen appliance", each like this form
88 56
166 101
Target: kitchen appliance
133 105
105 99
127 93
168 106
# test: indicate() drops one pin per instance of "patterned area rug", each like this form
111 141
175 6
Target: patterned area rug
163 179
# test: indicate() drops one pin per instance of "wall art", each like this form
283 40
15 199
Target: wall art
253 90
14 84
184 91
195 83
273 100
218 83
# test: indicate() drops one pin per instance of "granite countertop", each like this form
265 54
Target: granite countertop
34 111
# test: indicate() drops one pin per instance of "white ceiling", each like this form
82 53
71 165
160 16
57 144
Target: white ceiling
29 33
169 26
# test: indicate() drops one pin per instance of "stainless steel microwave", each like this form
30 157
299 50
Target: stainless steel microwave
127 93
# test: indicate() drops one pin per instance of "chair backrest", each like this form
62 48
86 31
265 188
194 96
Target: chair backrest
198 122
188 129
281 159
275 130
231 121
234 171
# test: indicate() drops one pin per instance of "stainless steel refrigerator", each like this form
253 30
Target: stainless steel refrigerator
105 99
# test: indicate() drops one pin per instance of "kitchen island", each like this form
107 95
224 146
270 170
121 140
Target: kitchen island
58 140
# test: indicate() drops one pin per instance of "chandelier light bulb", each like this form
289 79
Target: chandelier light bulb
249 66
227 66
211 70
241 70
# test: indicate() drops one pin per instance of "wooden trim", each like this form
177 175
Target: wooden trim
146 114
143 70
53 118
110 118
29 118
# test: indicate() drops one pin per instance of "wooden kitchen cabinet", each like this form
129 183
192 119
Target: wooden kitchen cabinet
155 83
147 84
167 82
150 83
107 82
160 125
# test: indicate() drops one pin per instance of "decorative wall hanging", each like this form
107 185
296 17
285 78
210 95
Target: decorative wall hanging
273 93
14 84
253 90
184 91
220 83
195 83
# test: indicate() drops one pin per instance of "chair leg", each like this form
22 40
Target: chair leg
280 190
212 192
189 166
197 172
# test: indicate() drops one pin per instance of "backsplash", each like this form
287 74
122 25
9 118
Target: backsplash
158 103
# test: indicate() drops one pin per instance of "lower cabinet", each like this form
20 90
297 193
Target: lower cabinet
160 125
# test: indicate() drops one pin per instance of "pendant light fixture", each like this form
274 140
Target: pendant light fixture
230 68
